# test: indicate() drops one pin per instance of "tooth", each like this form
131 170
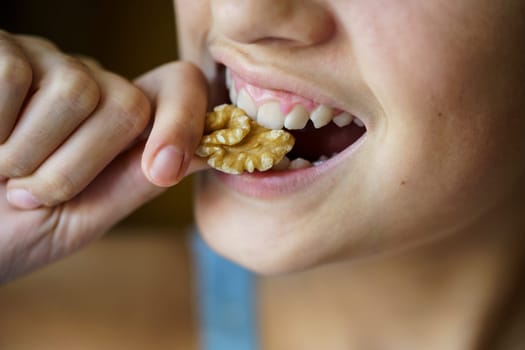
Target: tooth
321 116
297 118
244 101
299 163
233 95
282 165
321 160
342 119
358 122
269 115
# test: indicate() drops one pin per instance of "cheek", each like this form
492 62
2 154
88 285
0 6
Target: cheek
449 138
445 170
193 24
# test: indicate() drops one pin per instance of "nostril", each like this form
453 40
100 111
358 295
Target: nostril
286 22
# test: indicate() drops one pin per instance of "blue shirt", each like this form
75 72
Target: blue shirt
227 301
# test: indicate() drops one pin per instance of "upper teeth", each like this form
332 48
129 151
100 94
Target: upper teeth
321 116
344 119
269 113
297 118
245 102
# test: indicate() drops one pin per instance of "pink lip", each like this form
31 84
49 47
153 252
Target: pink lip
275 184
274 79
271 184
261 95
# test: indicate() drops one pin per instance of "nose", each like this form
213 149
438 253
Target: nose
297 22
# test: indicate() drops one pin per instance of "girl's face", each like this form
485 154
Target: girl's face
438 84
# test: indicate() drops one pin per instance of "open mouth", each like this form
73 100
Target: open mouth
320 131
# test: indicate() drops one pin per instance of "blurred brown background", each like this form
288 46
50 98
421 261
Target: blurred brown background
132 289
129 37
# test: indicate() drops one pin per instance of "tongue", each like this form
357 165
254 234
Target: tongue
311 143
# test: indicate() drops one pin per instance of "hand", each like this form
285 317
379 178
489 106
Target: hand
70 149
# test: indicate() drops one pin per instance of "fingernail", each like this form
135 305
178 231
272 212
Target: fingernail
165 168
22 199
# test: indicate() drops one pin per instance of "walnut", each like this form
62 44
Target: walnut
234 143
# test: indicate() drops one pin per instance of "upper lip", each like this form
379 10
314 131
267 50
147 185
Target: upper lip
273 76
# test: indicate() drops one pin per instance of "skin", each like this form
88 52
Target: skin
75 152
435 191
433 82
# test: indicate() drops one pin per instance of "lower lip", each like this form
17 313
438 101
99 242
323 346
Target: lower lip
275 184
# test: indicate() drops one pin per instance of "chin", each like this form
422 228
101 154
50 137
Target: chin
268 242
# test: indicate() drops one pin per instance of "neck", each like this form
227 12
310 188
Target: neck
438 296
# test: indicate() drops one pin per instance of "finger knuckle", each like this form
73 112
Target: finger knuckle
15 71
132 110
75 85
36 41
90 62
14 165
58 186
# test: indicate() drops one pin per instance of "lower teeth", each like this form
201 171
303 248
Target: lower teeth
320 161
298 163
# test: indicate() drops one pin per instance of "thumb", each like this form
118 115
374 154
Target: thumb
179 94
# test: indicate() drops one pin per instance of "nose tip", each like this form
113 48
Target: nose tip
283 21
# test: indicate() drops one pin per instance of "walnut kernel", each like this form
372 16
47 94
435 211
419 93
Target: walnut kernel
234 143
